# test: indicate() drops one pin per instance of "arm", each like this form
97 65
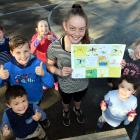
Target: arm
4 74
65 71
106 102
52 68
35 43
47 79
39 113
6 128
131 114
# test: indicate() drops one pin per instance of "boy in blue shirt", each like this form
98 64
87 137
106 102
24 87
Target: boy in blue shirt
21 119
26 70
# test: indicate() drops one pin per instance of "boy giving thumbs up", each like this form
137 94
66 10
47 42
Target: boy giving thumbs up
26 70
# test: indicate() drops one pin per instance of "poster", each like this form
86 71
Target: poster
96 60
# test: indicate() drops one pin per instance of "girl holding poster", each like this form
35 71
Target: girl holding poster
59 62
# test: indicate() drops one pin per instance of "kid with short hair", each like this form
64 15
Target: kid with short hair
26 70
21 118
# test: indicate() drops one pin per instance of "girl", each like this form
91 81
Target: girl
119 105
59 62
131 63
41 40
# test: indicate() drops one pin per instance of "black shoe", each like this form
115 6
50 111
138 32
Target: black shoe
100 124
66 118
79 116
45 124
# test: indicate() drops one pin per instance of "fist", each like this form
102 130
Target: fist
6 131
131 116
37 116
66 71
103 105
123 63
4 74
39 70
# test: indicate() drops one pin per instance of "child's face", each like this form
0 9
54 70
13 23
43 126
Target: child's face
75 29
42 27
19 104
125 90
137 52
22 54
1 34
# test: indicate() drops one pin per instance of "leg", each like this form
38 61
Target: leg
77 97
101 122
66 99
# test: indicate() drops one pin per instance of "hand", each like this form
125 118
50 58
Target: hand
66 71
5 131
4 74
103 105
37 116
40 36
131 116
39 70
50 37
123 63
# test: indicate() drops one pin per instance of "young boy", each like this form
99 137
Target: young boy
26 70
21 118
119 105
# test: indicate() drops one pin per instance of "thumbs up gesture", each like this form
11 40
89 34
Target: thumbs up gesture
6 131
4 74
37 116
39 70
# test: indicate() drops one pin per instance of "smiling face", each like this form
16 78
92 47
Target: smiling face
75 29
22 54
125 90
19 104
42 27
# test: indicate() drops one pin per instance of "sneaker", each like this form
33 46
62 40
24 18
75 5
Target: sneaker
100 122
66 118
100 125
45 124
79 116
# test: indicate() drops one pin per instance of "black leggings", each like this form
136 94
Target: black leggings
76 96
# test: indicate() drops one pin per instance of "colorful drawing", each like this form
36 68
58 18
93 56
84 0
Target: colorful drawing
96 60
